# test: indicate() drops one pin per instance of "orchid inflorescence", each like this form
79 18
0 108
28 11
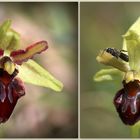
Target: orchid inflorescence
16 66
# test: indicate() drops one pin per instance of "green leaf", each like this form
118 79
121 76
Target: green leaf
107 74
32 72
132 42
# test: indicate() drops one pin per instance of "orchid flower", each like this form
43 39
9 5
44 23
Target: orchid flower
127 99
16 67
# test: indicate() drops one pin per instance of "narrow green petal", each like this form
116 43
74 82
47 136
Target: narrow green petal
107 74
32 72
132 42
109 60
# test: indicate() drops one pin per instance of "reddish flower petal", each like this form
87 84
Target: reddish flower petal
127 102
21 56
1 52
11 90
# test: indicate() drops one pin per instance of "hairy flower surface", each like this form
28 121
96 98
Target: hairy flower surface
127 102
11 89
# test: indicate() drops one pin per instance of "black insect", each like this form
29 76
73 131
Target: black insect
118 54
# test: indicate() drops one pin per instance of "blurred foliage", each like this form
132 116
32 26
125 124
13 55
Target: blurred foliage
102 26
42 112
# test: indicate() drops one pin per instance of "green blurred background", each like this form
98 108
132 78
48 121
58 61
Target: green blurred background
102 24
43 112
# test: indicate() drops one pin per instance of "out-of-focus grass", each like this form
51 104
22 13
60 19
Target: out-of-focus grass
43 112
102 25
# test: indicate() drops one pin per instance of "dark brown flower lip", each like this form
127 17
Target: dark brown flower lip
127 102
9 83
11 89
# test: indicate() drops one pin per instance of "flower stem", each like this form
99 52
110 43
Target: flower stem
135 130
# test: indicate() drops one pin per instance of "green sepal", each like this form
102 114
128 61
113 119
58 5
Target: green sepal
31 72
14 43
9 39
132 43
3 30
107 74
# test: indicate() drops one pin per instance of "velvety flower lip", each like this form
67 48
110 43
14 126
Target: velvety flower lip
127 102
11 89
